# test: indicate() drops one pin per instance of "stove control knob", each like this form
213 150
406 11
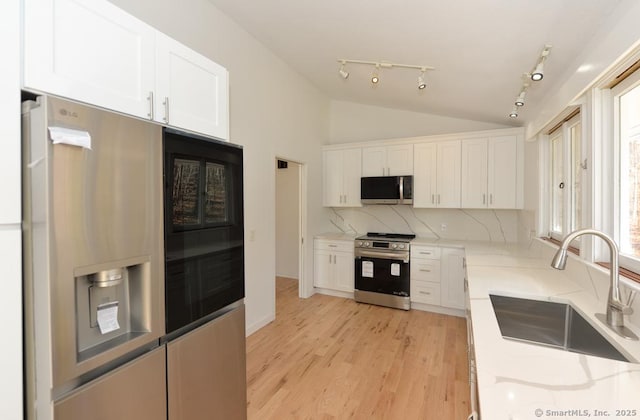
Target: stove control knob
366 244
360 243
401 246
394 246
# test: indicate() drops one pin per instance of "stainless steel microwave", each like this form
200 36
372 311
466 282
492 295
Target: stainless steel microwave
386 190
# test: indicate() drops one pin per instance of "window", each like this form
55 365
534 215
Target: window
565 178
626 98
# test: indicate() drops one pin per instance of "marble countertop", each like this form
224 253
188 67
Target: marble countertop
524 381
333 236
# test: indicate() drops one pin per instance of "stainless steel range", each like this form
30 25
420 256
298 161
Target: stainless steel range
382 269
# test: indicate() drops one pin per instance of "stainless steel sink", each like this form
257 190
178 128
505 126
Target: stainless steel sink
550 324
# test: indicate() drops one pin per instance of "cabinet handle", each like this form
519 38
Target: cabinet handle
438 198
425 270
333 246
151 105
166 109
425 252
329 258
432 199
490 198
484 198
425 293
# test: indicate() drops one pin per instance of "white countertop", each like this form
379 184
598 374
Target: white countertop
524 381
333 236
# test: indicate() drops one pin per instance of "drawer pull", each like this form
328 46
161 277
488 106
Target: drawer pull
426 253
333 246
425 293
425 270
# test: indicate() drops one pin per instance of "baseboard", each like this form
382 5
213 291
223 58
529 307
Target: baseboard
438 309
258 325
331 292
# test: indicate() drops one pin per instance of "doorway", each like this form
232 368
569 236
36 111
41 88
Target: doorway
289 224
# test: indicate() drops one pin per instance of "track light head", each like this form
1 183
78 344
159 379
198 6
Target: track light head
538 73
343 73
374 76
514 113
520 99
421 83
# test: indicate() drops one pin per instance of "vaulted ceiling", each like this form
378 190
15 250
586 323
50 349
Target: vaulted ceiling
479 48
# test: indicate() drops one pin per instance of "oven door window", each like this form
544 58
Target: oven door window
200 193
215 193
382 276
186 193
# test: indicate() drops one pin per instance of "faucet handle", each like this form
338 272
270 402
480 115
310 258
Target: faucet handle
621 307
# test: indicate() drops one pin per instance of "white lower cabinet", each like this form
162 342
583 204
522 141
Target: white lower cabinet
425 275
333 266
437 278
453 274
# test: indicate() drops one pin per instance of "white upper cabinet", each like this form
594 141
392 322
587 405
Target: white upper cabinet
90 51
192 91
341 182
492 173
387 160
436 180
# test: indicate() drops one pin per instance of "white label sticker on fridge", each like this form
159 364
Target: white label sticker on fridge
108 317
395 269
61 135
367 269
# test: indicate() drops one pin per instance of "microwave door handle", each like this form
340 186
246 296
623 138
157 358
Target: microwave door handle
401 189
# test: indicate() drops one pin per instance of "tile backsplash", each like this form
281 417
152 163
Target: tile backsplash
453 224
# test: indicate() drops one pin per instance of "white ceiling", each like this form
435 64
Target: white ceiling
480 48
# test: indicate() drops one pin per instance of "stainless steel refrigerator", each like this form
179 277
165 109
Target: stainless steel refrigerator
94 264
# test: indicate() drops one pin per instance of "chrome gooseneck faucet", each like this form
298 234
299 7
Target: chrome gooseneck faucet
615 308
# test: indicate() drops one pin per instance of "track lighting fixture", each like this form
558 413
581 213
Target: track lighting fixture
538 72
342 71
375 76
421 82
514 112
520 99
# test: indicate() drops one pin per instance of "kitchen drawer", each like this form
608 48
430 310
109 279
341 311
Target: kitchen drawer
425 270
425 292
338 246
429 252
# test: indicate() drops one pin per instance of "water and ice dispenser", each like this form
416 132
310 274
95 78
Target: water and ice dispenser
112 306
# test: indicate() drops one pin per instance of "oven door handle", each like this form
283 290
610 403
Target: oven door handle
382 254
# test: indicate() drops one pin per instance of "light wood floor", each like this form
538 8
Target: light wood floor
332 358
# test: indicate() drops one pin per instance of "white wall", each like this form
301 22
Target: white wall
287 218
351 122
10 214
273 112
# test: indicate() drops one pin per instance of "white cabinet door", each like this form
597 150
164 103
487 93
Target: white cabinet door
192 91
400 159
425 175
322 268
332 178
352 172
341 173
474 173
374 161
387 160
452 275
437 175
344 271
448 177
89 51
502 176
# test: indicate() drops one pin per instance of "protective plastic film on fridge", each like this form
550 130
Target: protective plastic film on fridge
94 264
